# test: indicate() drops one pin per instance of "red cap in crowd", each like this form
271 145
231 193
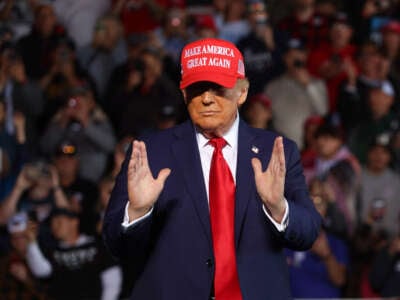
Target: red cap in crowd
205 22
392 26
261 98
314 120
214 60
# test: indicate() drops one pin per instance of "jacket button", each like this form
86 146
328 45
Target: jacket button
209 263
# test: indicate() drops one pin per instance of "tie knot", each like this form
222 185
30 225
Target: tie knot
218 143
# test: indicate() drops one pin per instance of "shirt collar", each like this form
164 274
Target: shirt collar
231 136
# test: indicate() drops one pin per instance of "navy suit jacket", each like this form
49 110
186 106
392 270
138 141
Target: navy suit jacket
171 251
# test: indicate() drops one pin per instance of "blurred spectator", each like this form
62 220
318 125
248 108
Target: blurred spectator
35 47
258 112
380 188
391 50
321 271
204 27
167 117
352 102
16 280
119 155
85 124
372 15
127 92
36 191
334 221
106 185
336 165
79 18
332 61
262 48
234 26
395 146
382 119
327 8
135 109
391 43
141 16
156 82
169 40
385 273
21 95
119 78
65 74
6 36
306 24
13 151
18 16
365 244
173 35
309 153
219 8
78 267
296 90
106 51
81 193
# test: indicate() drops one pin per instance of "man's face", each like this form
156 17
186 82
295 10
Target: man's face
295 59
66 165
327 146
341 34
378 158
61 226
213 108
379 103
45 20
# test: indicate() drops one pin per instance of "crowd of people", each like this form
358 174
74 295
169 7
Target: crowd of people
79 80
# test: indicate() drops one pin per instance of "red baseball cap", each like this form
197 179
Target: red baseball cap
205 22
392 26
262 98
214 60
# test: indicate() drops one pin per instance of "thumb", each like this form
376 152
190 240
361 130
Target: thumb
162 175
255 162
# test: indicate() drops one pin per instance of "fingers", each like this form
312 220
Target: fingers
138 163
143 154
281 151
163 175
277 160
278 154
135 160
255 162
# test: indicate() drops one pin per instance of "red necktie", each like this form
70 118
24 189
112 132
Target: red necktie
222 208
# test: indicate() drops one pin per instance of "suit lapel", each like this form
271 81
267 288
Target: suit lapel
244 176
187 156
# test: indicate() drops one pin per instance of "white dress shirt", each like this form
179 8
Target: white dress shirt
230 154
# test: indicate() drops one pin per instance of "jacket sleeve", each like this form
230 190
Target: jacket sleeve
304 221
124 243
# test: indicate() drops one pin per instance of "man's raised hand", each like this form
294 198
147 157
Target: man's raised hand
143 189
270 183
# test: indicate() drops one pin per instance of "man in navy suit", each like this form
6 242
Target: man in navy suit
158 218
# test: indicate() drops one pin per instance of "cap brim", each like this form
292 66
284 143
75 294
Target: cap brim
225 80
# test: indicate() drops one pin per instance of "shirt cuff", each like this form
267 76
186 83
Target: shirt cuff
126 224
285 220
